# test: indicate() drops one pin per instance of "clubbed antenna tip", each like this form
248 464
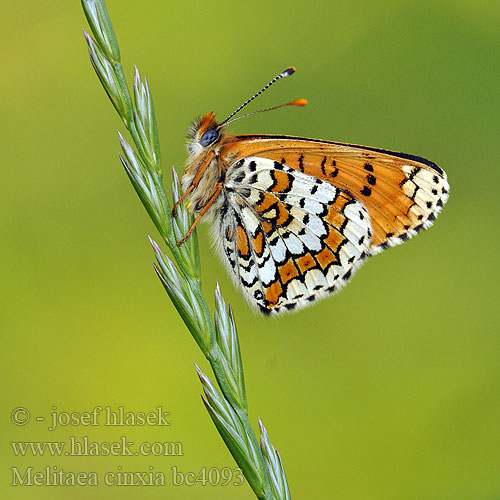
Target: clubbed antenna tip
287 72
298 102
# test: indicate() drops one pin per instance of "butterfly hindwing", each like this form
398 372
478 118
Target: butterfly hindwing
288 237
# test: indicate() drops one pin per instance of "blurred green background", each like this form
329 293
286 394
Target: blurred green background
389 390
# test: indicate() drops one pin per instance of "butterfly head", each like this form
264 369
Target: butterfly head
204 133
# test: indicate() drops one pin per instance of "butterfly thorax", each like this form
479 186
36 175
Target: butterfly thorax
205 167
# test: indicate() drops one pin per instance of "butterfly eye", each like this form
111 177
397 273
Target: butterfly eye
209 137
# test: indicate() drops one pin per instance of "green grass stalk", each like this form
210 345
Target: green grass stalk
217 337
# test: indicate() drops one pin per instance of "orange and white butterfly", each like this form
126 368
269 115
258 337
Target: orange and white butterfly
293 217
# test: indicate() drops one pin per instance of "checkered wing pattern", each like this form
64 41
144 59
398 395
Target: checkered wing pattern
402 193
289 238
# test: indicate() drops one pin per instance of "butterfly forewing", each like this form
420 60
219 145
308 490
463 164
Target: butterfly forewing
402 193
289 238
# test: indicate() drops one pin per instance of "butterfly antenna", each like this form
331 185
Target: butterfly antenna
287 72
297 102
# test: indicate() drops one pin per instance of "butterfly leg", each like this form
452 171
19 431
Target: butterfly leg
176 204
196 179
218 189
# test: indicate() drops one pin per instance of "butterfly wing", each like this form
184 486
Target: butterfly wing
402 193
289 238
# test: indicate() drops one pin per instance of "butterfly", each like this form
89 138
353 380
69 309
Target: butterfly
292 217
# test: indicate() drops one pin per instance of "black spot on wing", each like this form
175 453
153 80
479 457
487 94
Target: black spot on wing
301 163
264 310
323 163
239 178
